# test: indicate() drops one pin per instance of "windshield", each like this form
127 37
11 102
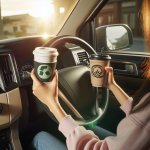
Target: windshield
33 17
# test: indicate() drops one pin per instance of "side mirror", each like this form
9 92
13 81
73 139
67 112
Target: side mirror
113 37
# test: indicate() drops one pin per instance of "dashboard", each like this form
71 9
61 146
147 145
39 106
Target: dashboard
16 60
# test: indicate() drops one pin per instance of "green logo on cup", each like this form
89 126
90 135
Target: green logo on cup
44 71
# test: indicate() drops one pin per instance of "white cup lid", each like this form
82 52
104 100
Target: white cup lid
45 51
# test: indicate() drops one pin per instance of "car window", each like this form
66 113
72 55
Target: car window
33 17
124 12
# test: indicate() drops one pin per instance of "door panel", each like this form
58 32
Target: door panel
128 80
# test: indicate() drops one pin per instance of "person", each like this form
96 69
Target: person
132 132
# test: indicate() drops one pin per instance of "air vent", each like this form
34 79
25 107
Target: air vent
82 56
7 73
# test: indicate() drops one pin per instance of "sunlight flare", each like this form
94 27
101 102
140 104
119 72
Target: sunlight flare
42 9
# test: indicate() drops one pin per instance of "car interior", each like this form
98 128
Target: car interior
77 29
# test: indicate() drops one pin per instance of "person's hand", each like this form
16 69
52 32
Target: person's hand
46 92
110 82
118 92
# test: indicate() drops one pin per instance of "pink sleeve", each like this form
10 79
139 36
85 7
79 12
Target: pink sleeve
78 138
127 106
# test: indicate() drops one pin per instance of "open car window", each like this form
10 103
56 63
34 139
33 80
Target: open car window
124 12
33 17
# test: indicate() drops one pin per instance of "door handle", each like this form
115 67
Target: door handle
126 68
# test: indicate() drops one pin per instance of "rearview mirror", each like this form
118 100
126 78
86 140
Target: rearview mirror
113 37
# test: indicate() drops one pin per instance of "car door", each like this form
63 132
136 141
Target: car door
128 64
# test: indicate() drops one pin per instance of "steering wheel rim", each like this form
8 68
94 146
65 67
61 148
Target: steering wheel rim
60 41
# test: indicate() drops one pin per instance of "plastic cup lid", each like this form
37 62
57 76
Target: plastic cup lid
45 51
100 57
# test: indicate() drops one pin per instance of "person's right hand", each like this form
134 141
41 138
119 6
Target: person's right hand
110 81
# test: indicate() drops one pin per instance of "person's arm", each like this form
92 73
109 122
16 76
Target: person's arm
122 97
58 112
77 137
47 93
118 92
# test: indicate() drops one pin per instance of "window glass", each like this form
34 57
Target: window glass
124 12
33 17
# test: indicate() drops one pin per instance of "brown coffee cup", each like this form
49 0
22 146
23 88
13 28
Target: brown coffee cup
98 63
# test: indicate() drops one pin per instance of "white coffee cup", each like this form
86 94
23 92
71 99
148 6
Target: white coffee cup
45 60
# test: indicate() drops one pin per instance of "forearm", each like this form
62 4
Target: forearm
58 111
120 95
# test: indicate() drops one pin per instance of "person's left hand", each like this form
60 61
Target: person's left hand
46 92
109 80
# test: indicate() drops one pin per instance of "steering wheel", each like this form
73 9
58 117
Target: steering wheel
85 103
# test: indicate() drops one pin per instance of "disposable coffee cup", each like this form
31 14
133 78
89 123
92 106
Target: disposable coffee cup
45 60
97 69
